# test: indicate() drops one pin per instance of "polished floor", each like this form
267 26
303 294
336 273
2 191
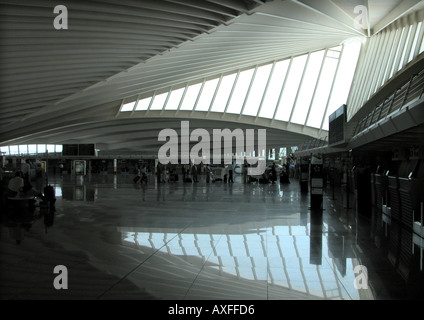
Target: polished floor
179 241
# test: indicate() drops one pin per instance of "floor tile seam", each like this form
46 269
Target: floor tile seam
201 269
141 263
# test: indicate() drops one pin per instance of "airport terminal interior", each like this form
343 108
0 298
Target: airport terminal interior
212 150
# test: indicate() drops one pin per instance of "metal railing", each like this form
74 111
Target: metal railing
403 95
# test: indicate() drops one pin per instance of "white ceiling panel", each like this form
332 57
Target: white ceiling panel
53 79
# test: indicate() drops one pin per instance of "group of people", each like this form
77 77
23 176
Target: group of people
190 173
19 187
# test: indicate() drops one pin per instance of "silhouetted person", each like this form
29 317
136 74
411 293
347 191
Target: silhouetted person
230 173
273 173
194 173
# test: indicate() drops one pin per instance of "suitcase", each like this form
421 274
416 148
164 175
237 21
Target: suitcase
263 181
136 178
188 180
252 179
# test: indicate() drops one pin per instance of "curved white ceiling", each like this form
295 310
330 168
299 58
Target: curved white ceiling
53 79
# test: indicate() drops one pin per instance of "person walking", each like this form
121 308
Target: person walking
230 173
194 172
208 173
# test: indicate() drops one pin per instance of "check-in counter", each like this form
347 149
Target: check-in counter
411 196
394 196
381 188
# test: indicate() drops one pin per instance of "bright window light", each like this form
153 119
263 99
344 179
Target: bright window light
32 148
51 148
274 89
14 150
143 104
344 79
291 89
207 95
128 107
240 91
41 148
309 83
223 93
422 45
159 101
59 148
398 52
23 149
4 150
191 97
405 48
415 43
323 92
174 99
257 90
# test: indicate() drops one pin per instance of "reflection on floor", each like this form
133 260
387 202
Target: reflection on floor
120 240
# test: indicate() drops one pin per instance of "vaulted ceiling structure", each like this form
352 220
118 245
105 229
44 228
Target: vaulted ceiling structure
69 85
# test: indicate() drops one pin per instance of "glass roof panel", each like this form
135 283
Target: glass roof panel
191 97
207 95
291 89
273 93
257 90
240 91
174 99
223 93
308 87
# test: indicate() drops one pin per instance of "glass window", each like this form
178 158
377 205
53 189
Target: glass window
274 89
14 150
422 45
257 91
4 150
405 48
344 79
223 93
143 104
51 148
159 101
174 99
240 91
59 148
191 97
41 148
23 149
207 95
392 52
128 107
323 91
32 148
309 83
398 52
291 89
415 43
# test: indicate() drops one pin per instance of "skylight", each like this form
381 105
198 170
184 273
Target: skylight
302 90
